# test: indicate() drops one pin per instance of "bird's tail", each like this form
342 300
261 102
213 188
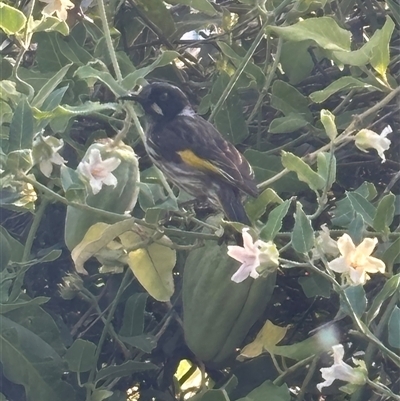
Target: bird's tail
232 206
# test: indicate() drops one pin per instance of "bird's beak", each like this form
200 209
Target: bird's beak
133 96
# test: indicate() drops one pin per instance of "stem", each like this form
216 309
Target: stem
381 389
107 35
90 384
34 227
238 72
281 378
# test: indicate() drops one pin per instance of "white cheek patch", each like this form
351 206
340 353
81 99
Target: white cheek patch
157 109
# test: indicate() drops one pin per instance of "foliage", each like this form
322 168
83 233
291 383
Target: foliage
291 83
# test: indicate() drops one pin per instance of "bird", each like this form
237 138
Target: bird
191 152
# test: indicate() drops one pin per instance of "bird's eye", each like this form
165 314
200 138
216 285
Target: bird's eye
164 96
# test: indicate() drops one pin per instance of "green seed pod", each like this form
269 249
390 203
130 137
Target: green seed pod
218 313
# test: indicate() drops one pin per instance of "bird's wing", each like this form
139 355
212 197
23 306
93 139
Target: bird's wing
201 146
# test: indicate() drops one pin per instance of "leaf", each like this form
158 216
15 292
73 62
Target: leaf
387 291
255 208
394 9
393 328
357 299
153 268
314 285
49 24
318 343
380 56
48 55
97 238
391 254
289 101
144 342
100 394
157 13
303 235
11 19
200 5
73 51
274 222
17 249
324 31
49 87
343 83
275 393
28 360
267 338
296 61
290 123
356 228
165 58
362 206
133 321
19 161
125 369
80 356
230 120
326 167
21 127
4 308
384 214
304 172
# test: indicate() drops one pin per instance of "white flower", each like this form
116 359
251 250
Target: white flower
45 152
325 243
59 7
366 139
356 262
341 370
99 171
252 255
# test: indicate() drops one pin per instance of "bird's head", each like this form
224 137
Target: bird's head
160 100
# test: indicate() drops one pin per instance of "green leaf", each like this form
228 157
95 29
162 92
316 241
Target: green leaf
49 87
73 51
157 13
100 394
88 71
326 167
200 5
153 267
80 356
230 120
328 121
290 123
133 321
362 206
315 285
274 223
252 70
394 9
255 208
393 328
357 298
296 60
73 186
17 249
49 24
356 228
304 172
21 127
19 161
391 254
384 214
289 100
165 58
11 19
4 308
125 369
33 363
380 56
324 31
5 254
341 84
387 291
303 234
48 55
275 393
144 342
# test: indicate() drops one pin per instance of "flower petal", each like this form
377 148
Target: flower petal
243 272
374 265
110 179
237 252
247 239
367 246
346 245
339 265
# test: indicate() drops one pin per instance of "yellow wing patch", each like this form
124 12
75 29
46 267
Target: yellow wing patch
191 159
